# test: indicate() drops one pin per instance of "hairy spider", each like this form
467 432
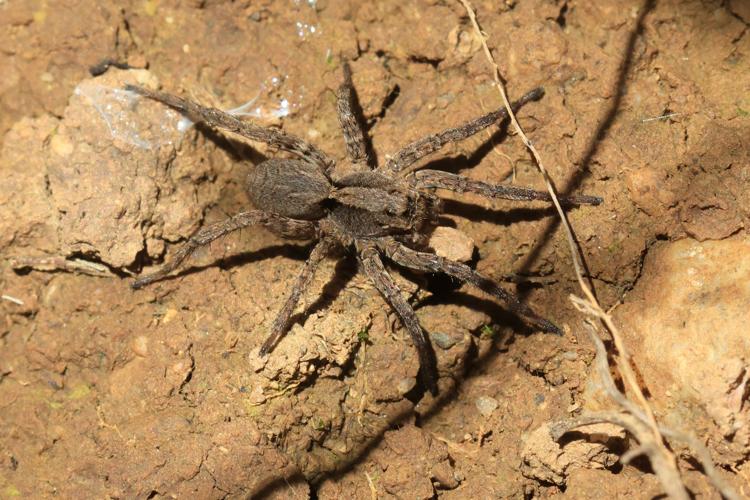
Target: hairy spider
380 210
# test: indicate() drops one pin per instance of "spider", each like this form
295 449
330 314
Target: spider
378 211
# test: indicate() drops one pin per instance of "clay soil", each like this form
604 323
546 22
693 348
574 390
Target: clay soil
112 393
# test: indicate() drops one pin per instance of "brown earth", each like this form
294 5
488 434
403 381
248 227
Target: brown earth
109 392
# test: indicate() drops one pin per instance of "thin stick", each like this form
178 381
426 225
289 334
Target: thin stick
371 484
661 453
504 96
60 264
10 298
663 459
635 422
626 370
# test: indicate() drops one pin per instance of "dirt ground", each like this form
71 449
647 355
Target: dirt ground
113 393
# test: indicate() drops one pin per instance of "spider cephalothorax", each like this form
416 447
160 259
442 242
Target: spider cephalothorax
386 210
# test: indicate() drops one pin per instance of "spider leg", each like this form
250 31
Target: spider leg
429 262
350 120
372 266
305 277
281 225
432 143
460 184
217 118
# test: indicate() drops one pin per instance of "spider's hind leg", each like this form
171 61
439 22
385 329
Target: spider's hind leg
305 277
423 261
373 267
282 225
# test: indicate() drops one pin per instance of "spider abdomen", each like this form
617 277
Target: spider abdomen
292 188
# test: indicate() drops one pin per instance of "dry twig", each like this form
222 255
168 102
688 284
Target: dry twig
371 484
60 264
638 419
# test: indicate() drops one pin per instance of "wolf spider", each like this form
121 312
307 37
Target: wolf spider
380 210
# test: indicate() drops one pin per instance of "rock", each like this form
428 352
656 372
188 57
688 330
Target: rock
648 188
443 340
714 218
685 324
419 457
452 244
104 179
486 405
139 345
444 475
546 460
406 384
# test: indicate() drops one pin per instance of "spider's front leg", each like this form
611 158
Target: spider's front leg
217 118
422 261
373 267
350 120
417 150
459 184
282 225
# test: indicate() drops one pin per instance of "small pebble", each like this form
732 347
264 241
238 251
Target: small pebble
140 346
486 405
168 316
406 384
61 145
450 243
444 475
443 340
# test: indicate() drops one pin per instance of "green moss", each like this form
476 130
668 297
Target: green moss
150 7
11 491
318 424
487 332
330 60
615 247
364 335
79 392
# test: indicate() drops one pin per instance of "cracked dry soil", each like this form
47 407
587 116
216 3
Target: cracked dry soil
107 392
